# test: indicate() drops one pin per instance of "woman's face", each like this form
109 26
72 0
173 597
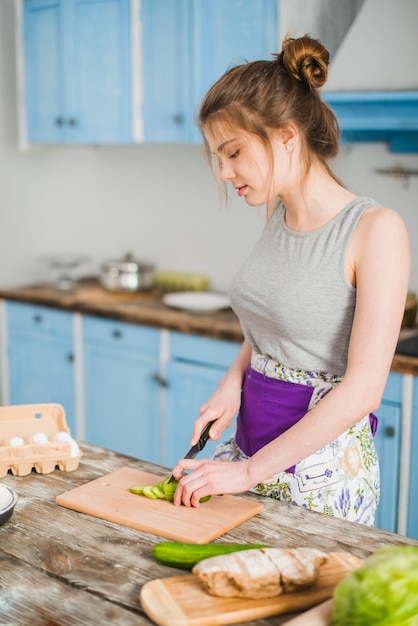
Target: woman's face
245 162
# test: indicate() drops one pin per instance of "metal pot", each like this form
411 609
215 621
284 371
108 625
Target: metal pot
127 274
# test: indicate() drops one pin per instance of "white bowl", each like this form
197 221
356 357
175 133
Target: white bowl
8 499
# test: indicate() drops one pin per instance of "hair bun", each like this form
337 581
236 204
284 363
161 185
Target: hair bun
306 60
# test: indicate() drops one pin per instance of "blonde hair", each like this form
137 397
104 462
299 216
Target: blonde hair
263 96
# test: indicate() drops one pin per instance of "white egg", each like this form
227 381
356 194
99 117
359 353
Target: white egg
63 436
16 441
75 450
40 438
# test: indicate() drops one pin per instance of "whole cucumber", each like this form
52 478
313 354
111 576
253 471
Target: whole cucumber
186 555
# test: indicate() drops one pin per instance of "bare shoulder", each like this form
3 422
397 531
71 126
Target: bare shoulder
379 223
379 246
381 215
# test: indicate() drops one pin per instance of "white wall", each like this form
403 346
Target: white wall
159 202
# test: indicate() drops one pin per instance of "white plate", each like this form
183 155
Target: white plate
197 301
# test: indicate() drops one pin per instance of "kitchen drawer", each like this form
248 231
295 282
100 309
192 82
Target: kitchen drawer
122 334
38 319
214 352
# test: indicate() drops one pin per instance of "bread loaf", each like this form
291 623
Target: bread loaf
260 573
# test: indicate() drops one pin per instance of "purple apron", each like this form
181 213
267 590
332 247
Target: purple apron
269 407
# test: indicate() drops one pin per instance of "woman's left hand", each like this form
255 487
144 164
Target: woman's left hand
209 478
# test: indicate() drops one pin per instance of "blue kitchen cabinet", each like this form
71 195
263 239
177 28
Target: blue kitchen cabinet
77 71
193 372
121 388
388 445
40 357
186 46
413 470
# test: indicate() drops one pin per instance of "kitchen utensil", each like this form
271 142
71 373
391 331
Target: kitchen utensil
183 599
8 499
127 274
65 264
194 450
197 301
109 498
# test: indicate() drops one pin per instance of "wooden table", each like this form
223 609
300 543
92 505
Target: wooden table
62 568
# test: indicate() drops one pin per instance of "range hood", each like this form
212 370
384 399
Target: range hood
373 76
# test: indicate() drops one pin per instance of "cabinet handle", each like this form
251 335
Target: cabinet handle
70 357
159 379
72 121
117 334
59 121
178 118
37 318
389 431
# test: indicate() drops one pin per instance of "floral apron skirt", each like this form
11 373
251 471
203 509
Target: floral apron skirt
341 480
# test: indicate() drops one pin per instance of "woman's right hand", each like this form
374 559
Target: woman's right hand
222 406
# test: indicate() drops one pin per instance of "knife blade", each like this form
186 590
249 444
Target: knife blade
194 450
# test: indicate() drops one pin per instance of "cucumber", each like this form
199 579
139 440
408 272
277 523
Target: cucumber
138 490
163 490
186 555
149 491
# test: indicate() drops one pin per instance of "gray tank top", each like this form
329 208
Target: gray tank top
292 296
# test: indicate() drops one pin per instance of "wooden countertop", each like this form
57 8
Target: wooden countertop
64 568
148 309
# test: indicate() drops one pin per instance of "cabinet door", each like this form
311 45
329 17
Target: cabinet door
99 69
195 368
77 71
43 70
226 34
121 397
166 55
186 46
189 386
387 442
40 354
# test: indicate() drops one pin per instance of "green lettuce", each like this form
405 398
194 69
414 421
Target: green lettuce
382 592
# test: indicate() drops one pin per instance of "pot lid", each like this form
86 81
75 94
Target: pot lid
127 264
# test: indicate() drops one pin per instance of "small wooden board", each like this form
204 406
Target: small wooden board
183 601
109 498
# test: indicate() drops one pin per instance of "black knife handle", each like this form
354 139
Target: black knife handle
205 435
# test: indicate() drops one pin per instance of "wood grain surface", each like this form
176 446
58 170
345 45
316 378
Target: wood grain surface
59 567
109 498
182 600
320 615
145 308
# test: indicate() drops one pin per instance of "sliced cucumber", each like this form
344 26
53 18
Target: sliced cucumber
149 491
138 490
163 490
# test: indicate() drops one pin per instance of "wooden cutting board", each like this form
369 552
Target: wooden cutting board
182 600
109 498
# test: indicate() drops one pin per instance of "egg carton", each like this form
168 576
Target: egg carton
36 436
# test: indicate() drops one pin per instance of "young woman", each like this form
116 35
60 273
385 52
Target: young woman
320 299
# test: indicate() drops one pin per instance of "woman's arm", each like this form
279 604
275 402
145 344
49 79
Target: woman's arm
223 405
378 261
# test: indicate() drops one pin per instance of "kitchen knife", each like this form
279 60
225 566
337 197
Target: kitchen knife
194 450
